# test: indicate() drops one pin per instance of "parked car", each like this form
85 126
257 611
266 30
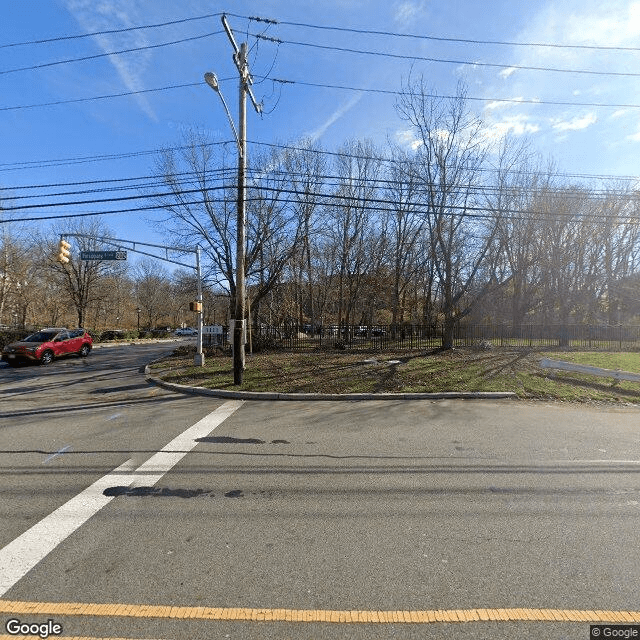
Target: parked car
112 334
187 331
46 345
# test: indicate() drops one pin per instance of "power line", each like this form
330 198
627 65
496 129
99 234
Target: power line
109 53
331 48
104 97
134 154
89 214
472 212
447 97
374 32
435 38
39 164
109 31
320 85
105 200
342 154
327 181
398 56
476 190
158 182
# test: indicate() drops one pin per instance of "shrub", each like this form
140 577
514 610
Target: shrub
8 336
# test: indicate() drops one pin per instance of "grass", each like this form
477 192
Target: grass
504 369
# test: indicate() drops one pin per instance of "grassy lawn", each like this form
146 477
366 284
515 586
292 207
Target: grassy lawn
504 369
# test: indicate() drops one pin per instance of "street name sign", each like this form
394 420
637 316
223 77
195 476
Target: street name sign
103 255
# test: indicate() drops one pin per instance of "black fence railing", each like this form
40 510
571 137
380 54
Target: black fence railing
411 336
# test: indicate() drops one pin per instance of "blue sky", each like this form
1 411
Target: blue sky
37 142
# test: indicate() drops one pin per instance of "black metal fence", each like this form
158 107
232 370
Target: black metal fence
411 336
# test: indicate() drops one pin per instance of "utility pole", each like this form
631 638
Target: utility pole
239 331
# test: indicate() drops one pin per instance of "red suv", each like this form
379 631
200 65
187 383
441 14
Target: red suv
47 344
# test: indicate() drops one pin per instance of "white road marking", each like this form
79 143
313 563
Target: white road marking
28 549
57 453
153 469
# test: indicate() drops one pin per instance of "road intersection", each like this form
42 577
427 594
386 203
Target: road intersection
413 519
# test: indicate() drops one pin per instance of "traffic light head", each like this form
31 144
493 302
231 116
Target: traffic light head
63 251
195 306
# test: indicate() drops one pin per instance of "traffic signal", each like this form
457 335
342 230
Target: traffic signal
63 251
195 306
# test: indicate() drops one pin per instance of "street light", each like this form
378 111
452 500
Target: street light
212 80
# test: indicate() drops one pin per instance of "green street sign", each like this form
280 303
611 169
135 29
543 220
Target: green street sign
103 255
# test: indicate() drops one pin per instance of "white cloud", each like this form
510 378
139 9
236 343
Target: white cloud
619 21
407 12
518 125
407 139
116 14
502 104
334 117
575 124
505 73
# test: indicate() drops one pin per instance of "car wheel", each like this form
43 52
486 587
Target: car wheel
46 358
84 350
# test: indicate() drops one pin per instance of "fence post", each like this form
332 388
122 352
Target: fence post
620 336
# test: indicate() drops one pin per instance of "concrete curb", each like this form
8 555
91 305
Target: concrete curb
130 343
352 397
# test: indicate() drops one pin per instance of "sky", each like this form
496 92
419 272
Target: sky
63 121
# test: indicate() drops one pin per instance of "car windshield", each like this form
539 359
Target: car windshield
41 336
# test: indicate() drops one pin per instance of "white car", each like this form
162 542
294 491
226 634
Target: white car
187 331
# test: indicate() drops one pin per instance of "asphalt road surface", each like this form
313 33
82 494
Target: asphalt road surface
129 511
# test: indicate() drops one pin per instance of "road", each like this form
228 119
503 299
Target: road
198 513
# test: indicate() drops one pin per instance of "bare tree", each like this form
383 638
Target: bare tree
79 280
352 212
153 290
449 161
520 186
10 251
201 210
405 224
305 169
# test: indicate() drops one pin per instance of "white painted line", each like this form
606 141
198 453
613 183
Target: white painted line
156 466
24 553
28 549
57 453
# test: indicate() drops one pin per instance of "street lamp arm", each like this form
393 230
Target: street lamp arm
212 81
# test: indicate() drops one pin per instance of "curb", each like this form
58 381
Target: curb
352 397
129 343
